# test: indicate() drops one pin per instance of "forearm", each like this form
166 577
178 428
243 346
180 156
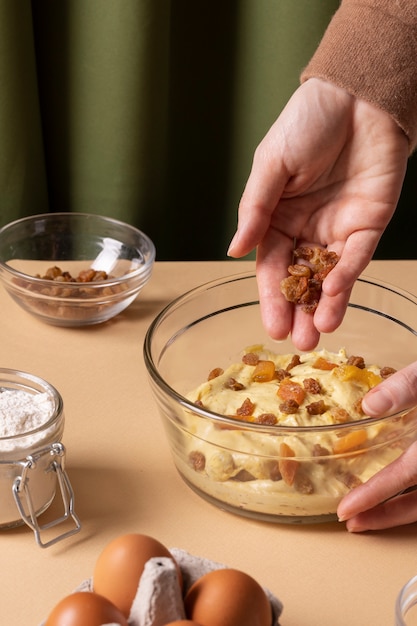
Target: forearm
370 49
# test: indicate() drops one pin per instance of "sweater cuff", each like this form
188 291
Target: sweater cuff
370 50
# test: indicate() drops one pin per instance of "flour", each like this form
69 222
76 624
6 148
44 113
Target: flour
22 412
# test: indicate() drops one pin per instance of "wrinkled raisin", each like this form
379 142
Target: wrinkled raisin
250 358
358 361
316 408
294 362
233 384
349 479
387 371
299 270
311 385
303 285
319 450
217 371
268 419
340 415
246 409
197 460
280 374
289 406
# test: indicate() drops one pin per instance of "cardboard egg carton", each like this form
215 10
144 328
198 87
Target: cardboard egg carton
159 598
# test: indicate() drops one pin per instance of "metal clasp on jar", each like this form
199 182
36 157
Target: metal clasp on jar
23 495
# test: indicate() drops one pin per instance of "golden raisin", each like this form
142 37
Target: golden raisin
268 419
233 384
385 372
217 371
250 358
316 408
246 409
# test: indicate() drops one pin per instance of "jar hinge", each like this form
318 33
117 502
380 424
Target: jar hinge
21 491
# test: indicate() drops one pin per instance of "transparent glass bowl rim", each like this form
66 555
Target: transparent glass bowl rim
252 426
46 387
403 602
110 282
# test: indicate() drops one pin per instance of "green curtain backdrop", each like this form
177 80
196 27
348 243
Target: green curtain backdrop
150 110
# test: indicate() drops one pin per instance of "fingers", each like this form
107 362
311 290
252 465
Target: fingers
396 393
355 255
304 334
399 511
261 195
331 311
271 267
376 504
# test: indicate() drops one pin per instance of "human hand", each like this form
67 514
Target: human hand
381 501
329 172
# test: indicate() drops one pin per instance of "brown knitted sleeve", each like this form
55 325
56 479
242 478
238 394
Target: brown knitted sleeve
370 49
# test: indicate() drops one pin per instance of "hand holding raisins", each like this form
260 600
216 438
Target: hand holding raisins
328 173
380 502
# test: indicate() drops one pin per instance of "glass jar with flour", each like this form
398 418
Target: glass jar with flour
32 457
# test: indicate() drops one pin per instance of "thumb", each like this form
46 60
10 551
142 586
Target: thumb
396 393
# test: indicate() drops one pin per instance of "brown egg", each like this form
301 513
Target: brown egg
85 608
120 565
228 597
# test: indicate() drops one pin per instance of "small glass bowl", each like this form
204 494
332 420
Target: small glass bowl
209 327
74 242
32 463
406 601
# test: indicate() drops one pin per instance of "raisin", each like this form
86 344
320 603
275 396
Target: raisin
311 385
349 479
303 285
316 408
289 407
303 252
243 476
299 270
246 409
303 484
233 384
217 371
293 288
86 276
358 361
339 415
280 374
387 371
197 460
268 419
319 450
294 362
250 358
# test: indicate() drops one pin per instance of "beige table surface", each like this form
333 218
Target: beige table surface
124 480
